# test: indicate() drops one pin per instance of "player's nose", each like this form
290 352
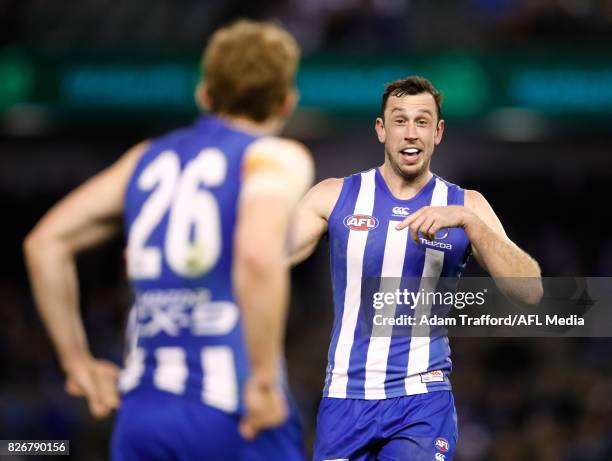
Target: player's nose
410 131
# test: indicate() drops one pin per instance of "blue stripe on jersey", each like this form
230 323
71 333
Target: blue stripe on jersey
412 271
453 267
372 264
181 344
379 367
338 246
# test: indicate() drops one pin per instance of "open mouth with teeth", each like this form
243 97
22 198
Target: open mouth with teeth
410 153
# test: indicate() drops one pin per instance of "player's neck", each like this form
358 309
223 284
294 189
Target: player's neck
401 187
271 126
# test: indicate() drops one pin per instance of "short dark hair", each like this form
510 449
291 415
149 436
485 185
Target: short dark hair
411 85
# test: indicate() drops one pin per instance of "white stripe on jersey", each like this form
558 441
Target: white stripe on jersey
418 355
378 349
171 371
134 368
220 389
352 296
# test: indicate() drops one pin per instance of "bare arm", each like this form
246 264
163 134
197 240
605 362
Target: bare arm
84 218
276 173
310 219
492 248
515 272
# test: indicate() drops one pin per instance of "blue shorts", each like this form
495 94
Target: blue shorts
419 427
153 425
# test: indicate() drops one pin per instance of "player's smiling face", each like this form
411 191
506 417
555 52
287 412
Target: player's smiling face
410 131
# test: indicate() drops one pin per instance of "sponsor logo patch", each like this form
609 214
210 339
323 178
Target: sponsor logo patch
441 234
441 444
435 376
361 222
400 211
440 457
436 244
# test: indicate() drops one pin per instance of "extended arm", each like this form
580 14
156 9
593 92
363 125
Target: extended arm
276 174
515 272
492 248
86 217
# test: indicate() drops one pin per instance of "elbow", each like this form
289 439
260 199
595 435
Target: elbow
524 289
32 244
534 294
259 259
533 290
38 243
527 292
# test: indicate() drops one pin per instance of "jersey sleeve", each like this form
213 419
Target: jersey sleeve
275 166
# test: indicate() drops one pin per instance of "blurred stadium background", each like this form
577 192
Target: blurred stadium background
528 104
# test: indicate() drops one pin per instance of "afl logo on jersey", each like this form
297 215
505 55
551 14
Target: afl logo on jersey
441 444
361 222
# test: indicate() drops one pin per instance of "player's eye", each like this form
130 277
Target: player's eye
400 121
422 122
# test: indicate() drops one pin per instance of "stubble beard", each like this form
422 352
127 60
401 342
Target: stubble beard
407 176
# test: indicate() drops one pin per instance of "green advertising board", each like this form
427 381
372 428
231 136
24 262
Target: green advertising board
86 86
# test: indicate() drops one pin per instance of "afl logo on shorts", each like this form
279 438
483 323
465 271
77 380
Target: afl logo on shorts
361 222
441 444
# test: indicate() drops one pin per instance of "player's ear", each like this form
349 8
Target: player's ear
439 132
202 98
290 102
380 130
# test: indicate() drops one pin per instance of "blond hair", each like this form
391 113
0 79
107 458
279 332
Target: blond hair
249 68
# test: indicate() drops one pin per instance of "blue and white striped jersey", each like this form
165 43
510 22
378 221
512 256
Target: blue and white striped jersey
365 245
180 213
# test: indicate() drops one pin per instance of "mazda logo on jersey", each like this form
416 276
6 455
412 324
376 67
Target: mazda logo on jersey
361 222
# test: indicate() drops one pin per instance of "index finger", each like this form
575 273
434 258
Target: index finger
247 428
409 220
